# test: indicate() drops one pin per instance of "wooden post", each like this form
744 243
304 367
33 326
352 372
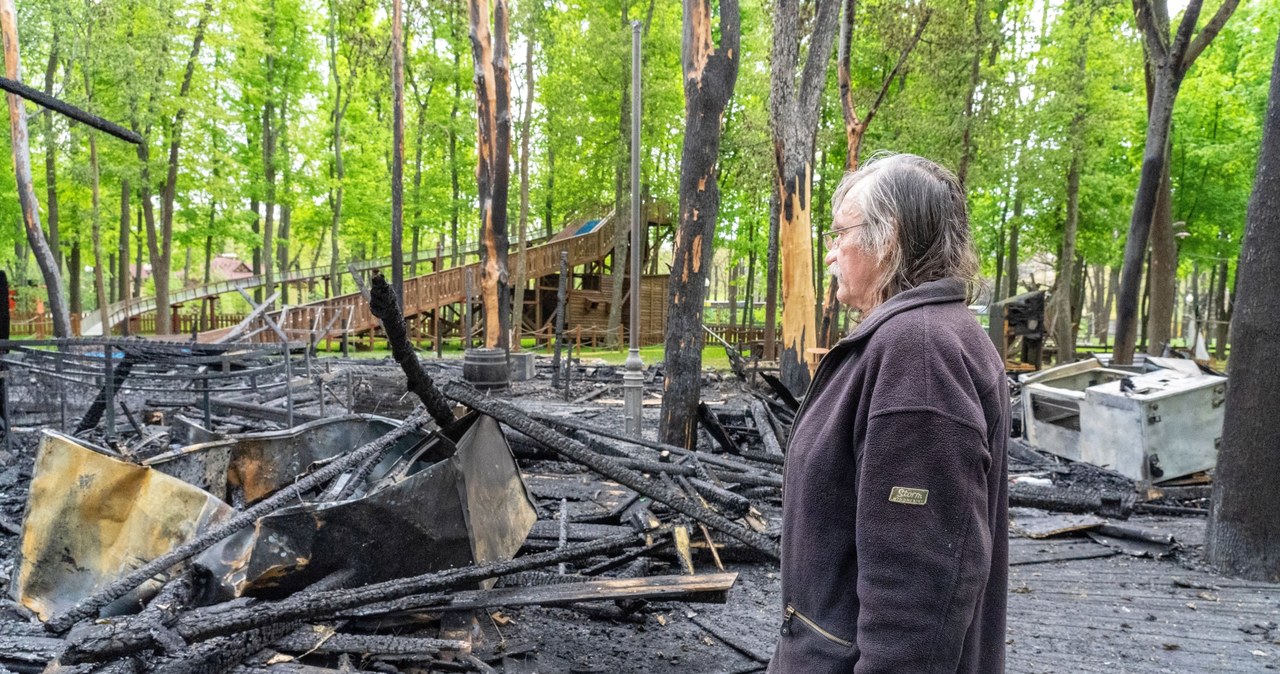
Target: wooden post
22 173
561 295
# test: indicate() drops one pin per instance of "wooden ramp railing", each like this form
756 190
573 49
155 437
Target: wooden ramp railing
426 292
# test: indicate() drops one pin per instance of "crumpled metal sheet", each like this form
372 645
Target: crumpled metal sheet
92 518
451 509
247 468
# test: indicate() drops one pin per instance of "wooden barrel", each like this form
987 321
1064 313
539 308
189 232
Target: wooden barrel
486 369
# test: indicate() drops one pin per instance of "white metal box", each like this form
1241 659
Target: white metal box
1166 424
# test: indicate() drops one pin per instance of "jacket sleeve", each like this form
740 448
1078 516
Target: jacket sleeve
923 539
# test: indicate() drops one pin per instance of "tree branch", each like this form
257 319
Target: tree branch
1183 38
1156 39
1209 32
897 67
813 79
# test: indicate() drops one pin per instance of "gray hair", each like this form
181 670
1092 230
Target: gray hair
915 221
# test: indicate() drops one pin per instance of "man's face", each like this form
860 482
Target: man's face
857 269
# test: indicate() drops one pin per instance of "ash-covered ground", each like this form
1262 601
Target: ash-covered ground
1075 604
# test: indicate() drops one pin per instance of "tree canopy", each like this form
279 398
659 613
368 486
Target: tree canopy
285 143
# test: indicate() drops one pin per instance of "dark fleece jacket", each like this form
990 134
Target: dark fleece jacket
895 500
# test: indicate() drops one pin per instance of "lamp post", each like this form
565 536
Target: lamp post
633 378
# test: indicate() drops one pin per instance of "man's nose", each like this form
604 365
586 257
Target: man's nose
830 258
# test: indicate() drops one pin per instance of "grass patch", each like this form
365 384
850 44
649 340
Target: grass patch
712 356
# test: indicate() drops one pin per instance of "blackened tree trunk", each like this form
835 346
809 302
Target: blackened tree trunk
99 273
337 170
397 150
971 94
51 155
269 137
1063 327
285 197
1164 268
22 174
493 169
1242 538
1015 230
771 283
710 72
160 237
1168 62
793 113
1225 304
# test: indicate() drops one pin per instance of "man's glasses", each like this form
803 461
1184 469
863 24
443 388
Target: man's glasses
832 237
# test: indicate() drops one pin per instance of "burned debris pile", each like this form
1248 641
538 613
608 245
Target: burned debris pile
1096 444
246 518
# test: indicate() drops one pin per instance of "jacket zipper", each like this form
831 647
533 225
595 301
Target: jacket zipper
792 612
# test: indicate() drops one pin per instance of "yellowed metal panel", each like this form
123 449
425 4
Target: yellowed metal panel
92 518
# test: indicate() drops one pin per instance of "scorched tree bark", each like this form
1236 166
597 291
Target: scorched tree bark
493 170
1242 537
710 72
22 173
793 113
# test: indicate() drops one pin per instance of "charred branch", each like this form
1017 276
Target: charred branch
576 451
384 306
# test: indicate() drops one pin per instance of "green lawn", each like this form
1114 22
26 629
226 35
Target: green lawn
712 356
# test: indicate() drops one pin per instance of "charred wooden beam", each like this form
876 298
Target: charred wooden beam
713 459
731 504
754 479
764 426
255 411
712 423
103 641
627 557
30 648
218 656
288 496
779 389
576 451
110 388
319 640
40 98
1105 503
383 305
704 588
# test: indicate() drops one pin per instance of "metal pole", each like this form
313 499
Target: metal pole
288 383
633 378
108 381
205 402
62 394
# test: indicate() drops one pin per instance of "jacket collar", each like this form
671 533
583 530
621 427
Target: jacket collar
933 292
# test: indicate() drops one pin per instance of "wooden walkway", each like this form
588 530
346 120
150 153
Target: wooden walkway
349 313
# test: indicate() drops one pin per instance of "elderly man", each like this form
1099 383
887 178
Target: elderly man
894 550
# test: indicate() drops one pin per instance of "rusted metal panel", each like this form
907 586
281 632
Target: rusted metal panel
92 518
